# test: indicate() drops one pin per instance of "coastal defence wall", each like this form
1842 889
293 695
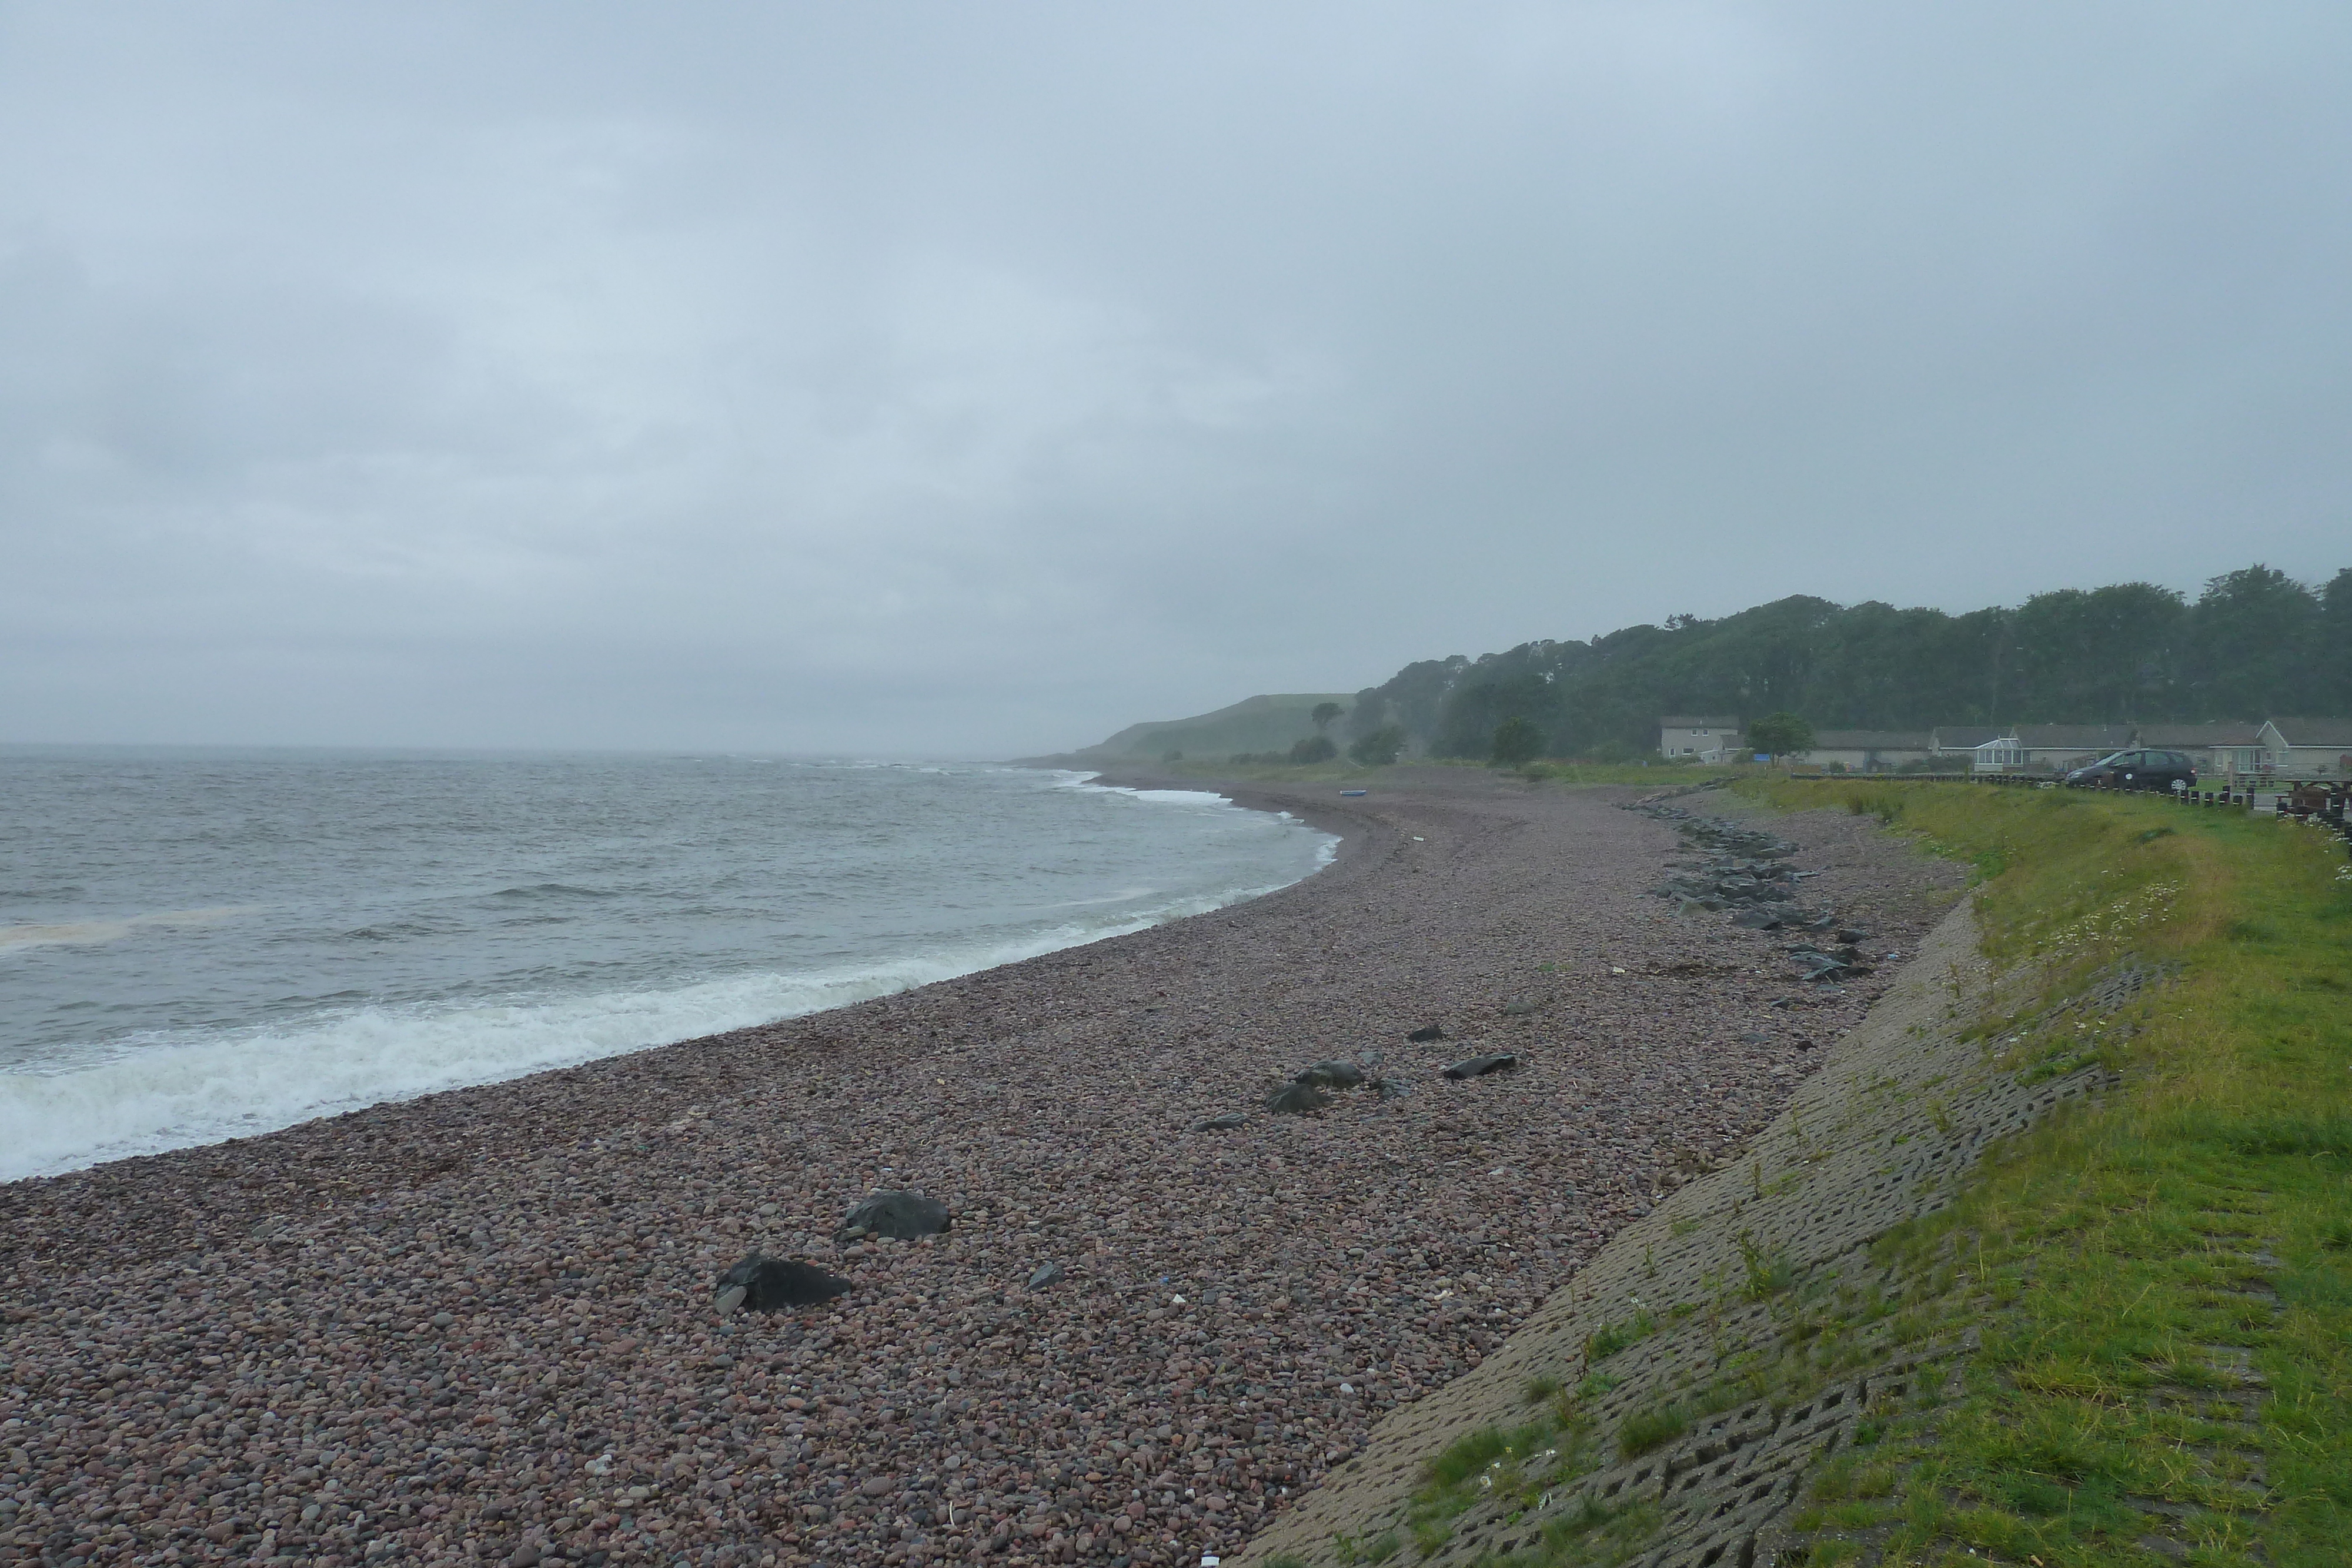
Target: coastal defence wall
1758 1280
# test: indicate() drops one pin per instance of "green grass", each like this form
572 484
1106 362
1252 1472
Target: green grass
1610 1338
2205 1201
1646 1429
2204 1204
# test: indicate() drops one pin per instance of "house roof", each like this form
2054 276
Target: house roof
2233 733
1676 721
1961 737
1871 740
2073 736
2320 732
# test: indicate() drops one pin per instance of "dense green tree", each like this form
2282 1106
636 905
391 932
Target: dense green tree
1370 713
2256 644
2334 664
1781 734
1517 742
1313 750
1323 714
1379 747
2251 640
2112 652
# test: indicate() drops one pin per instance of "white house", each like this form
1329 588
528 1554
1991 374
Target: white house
2049 748
2218 750
1703 738
2308 748
1870 750
1958 741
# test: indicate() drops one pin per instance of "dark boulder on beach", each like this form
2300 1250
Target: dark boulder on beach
1225 1124
1332 1075
1046 1274
1297 1100
1480 1066
765 1284
1426 1033
900 1216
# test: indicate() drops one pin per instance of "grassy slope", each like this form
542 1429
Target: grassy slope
2120 1262
2119 1259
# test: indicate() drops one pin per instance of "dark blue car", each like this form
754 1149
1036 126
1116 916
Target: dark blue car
2136 770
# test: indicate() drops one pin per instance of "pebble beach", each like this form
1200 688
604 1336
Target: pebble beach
479 1326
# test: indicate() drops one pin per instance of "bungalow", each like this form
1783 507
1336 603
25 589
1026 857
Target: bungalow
2218 750
1959 741
2308 748
1704 738
2049 748
1870 750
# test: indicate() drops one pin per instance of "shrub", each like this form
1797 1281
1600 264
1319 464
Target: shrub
1647 1430
1517 742
1313 750
1610 1338
1781 734
1378 748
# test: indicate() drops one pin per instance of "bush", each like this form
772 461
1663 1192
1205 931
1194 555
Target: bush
1647 1430
1378 748
1611 751
1517 743
1780 735
1313 750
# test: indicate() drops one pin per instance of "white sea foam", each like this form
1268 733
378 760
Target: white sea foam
86 931
170 1095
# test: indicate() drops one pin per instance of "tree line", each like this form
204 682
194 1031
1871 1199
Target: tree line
2254 644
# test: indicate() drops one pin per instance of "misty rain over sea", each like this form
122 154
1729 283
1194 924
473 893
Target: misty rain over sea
202 945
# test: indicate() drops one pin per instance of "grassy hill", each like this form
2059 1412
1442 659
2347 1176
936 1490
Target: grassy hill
1265 723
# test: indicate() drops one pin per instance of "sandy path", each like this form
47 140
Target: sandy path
478 1326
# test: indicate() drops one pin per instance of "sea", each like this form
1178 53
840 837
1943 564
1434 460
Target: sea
201 944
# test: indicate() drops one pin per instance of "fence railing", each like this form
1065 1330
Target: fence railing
2301 800
2326 800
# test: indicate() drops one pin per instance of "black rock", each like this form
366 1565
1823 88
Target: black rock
1480 1066
1297 1100
1332 1075
1757 920
1426 1033
1225 1124
901 1216
1046 1274
1391 1090
767 1284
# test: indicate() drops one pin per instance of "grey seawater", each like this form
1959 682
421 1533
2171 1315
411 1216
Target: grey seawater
202 945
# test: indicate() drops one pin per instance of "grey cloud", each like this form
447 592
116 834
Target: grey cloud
978 379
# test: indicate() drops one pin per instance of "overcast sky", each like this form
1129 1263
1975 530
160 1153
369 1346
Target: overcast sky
974 380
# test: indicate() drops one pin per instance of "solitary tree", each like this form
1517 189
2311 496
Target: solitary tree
1517 742
1313 750
1323 714
1781 734
1378 748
